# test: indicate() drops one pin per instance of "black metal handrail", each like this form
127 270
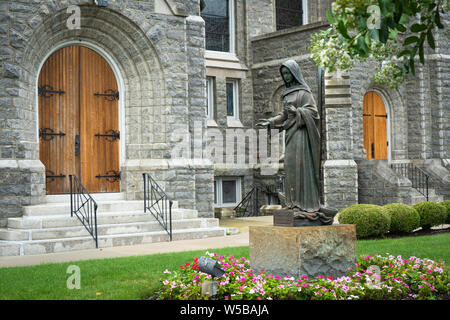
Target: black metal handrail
158 203
420 180
83 206
249 205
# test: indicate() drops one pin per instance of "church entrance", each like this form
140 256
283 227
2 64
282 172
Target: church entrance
79 121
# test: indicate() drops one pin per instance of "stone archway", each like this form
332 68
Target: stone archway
144 106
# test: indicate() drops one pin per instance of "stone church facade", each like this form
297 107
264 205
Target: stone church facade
173 85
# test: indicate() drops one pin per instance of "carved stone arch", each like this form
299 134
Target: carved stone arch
360 83
131 51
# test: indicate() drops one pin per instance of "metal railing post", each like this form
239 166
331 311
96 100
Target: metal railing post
158 202
71 196
145 194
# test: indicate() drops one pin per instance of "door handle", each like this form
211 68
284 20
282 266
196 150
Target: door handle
77 145
373 150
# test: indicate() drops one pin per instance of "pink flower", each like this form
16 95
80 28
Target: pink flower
430 271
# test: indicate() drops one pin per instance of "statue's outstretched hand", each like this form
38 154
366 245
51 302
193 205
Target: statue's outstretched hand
263 123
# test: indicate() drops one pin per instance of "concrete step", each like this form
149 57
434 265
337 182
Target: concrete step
107 196
111 229
57 208
82 243
57 221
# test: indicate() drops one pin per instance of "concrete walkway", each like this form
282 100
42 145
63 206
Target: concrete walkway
235 240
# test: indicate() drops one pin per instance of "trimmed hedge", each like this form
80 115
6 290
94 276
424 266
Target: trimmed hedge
431 214
446 204
403 217
370 219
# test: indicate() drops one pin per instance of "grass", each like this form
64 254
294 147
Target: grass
139 277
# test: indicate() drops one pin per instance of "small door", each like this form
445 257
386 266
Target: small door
374 126
78 121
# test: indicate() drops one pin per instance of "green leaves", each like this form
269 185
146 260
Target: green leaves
430 39
330 17
362 46
382 29
342 29
410 40
416 27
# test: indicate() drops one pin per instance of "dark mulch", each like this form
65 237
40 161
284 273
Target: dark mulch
420 232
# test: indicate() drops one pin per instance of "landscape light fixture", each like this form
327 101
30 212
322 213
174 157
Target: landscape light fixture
101 3
211 267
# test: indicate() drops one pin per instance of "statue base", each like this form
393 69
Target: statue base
311 251
297 218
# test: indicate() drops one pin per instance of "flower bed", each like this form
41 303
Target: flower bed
374 277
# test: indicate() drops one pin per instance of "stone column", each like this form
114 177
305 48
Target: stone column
339 169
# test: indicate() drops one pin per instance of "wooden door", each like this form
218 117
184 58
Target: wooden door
78 121
374 126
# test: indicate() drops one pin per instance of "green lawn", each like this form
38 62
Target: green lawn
138 277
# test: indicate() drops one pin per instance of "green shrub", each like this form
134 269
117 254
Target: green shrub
403 217
431 214
446 204
370 219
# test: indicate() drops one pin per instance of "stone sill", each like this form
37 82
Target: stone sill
306 27
234 123
223 60
211 123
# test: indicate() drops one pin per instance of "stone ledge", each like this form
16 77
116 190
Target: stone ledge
297 251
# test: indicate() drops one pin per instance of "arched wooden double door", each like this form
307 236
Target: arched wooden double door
78 121
375 126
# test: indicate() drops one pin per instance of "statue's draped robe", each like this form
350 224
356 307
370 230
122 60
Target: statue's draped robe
301 161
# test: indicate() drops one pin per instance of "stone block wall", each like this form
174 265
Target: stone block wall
340 175
379 184
189 182
22 182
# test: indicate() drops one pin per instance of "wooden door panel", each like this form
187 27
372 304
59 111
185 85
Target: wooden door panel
380 131
58 113
368 123
80 73
99 154
374 126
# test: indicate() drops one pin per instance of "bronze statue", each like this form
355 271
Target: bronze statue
300 119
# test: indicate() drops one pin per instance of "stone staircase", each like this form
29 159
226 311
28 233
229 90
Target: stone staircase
48 228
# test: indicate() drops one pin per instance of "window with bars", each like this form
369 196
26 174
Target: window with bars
289 13
218 16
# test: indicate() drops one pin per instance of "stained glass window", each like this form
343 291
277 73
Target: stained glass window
289 13
217 24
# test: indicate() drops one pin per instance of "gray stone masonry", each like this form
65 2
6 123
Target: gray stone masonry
379 184
22 182
159 60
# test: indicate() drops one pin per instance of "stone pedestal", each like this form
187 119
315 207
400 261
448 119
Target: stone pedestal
297 251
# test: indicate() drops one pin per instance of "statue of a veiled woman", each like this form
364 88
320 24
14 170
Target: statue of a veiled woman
300 119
